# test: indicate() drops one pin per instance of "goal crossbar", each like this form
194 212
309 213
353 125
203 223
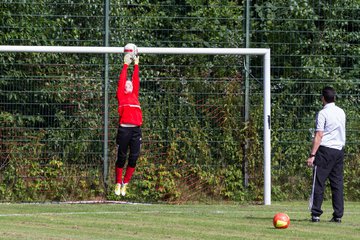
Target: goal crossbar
265 52
160 50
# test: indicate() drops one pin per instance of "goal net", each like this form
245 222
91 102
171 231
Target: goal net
59 121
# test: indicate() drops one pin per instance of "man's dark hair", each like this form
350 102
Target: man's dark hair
329 94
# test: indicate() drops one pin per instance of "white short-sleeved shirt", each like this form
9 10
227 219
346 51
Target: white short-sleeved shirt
331 121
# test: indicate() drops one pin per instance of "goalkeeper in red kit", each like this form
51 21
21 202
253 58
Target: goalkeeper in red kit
130 119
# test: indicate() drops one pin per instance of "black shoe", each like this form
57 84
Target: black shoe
336 220
315 218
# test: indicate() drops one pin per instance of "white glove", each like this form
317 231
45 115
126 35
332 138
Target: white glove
127 59
136 60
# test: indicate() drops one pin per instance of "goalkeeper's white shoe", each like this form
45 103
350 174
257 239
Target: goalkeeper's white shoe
118 189
123 189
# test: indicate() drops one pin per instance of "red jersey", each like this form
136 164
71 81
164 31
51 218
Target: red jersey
128 104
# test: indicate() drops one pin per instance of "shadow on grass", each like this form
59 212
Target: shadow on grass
270 219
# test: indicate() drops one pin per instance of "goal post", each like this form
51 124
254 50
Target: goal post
264 52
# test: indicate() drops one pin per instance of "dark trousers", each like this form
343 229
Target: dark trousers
128 139
329 164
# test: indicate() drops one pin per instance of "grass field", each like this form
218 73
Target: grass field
157 221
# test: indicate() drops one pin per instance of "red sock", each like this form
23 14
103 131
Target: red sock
128 174
118 174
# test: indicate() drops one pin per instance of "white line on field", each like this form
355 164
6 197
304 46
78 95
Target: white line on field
80 213
116 212
77 202
90 213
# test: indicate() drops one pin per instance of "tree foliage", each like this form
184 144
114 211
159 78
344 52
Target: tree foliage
52 104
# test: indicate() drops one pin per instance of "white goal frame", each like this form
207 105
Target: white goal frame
265 52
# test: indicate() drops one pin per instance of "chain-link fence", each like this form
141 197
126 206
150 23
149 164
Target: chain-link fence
198 142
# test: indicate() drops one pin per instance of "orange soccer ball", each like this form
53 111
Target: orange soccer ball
281 220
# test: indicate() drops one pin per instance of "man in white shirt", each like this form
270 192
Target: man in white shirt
327 157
